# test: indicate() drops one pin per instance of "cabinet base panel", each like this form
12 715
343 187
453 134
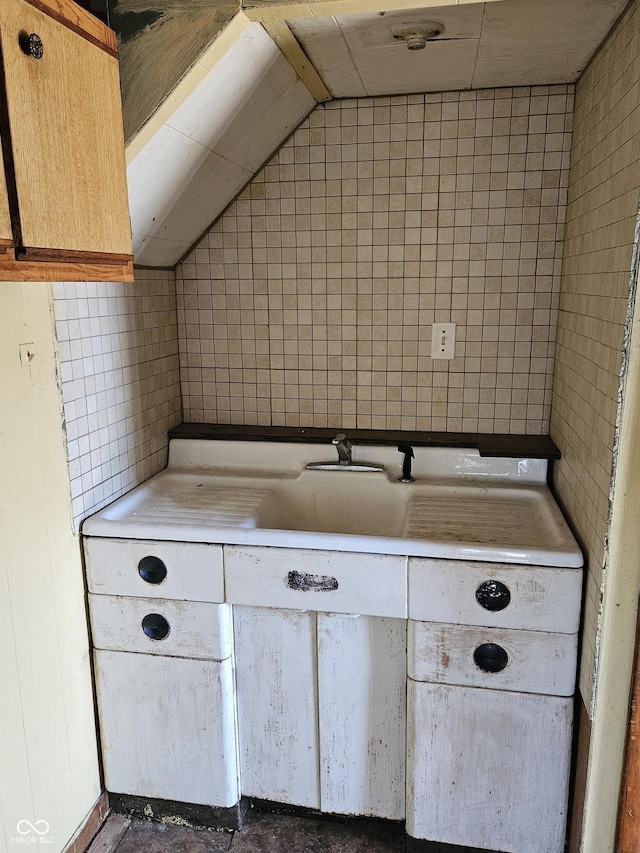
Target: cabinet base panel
418 845
235 817
407 844
186 814
274 807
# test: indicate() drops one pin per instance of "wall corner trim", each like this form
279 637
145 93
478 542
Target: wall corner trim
90 826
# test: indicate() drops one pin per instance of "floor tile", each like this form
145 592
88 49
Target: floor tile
266 832
111 834
277 833
149 837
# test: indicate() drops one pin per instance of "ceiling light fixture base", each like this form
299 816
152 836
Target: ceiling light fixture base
417 35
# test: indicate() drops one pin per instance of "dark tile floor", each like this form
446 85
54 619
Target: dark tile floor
263 832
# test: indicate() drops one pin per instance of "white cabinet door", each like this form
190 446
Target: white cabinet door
321 709
168 727
488 768
362 694
276 680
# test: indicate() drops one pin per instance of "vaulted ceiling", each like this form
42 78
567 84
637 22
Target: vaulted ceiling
269 65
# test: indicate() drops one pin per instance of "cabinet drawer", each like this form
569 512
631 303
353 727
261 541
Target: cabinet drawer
528 661
190 571
535 598
335 581
178 628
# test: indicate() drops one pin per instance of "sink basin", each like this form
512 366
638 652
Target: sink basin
349 502
459 507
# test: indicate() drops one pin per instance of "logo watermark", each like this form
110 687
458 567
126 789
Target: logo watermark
32 833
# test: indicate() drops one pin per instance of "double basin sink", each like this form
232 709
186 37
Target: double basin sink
460 505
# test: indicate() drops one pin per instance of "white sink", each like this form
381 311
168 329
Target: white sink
461 506
346 502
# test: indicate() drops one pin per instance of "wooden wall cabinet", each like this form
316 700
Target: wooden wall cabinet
63 190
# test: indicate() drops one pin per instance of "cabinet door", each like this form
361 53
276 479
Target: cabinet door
488 768
67 144
277 704
167 727
362 690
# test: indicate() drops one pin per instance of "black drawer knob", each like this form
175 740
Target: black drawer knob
493 595
31 44
152 569
155 626
490 657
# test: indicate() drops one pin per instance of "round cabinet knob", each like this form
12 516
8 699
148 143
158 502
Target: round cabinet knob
155 626
152 569
493 595
31 44
490 657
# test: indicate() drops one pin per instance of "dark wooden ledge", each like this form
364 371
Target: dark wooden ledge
488 444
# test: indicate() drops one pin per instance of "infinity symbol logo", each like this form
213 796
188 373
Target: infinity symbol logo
41 827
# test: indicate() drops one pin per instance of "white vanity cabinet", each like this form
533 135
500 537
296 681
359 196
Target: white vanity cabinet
489 706
163 647
382 654
321 694
364 684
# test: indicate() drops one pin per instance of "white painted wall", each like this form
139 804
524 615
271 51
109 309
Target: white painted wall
48 756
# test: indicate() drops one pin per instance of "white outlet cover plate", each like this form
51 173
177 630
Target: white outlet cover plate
443 340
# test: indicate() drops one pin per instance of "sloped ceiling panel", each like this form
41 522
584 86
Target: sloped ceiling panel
546 41
483 45
158 41
211 146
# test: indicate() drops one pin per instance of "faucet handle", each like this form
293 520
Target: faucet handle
343 447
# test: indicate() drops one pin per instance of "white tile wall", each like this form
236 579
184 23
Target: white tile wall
603 198
118 353
311 300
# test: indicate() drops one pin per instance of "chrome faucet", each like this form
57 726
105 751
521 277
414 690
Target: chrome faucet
343 462
343 446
